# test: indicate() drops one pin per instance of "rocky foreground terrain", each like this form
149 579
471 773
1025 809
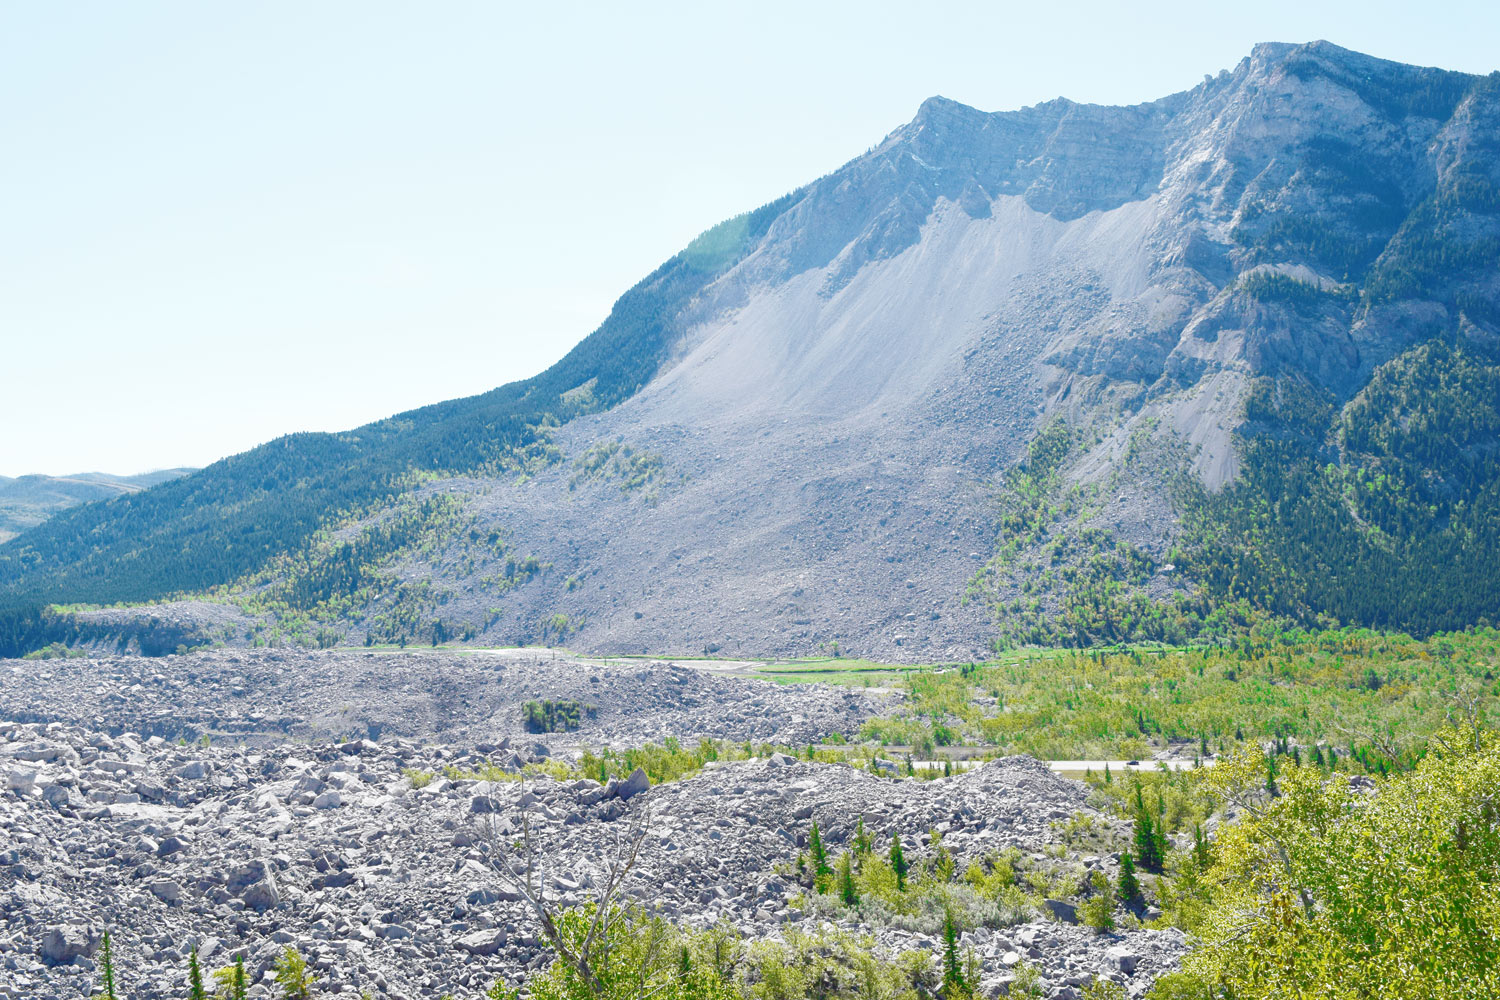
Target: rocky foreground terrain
243 847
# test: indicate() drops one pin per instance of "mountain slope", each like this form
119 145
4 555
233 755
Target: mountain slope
800 431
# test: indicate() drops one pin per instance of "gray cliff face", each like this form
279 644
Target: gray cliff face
831 420
830 424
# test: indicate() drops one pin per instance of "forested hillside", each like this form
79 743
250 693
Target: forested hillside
1385 513
27 501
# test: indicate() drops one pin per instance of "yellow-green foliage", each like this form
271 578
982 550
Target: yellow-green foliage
986 893
644 956
293 976
1180 799
617 460
1122 703
668 761
1331 891
995 878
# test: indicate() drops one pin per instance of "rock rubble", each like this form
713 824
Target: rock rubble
388 887
328 811
268 695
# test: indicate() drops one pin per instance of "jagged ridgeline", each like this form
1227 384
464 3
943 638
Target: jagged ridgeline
227 521
1066 374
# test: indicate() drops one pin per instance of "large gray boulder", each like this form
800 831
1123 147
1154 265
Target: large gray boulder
63 943
633 785
255 885
483 943
1066 912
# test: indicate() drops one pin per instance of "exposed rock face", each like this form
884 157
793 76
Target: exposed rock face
829 421
816 419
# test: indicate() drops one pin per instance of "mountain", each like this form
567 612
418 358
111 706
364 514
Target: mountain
26 501
1070 373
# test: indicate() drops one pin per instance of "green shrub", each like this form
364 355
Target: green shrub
648 957
555 716
1098 910
293 976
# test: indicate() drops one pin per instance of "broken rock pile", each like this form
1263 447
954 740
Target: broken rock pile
387 887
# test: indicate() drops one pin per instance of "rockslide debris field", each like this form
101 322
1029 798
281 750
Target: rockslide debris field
287 836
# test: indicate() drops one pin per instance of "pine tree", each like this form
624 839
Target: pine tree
898 862
195 977
1201 856
107 968
1109 779
1148 843
239 986
818 851
953 970
947 767
847 892
862 842
1129 886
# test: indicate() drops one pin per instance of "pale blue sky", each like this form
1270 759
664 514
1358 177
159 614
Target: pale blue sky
221 222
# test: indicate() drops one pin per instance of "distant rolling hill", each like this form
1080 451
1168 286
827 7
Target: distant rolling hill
26 501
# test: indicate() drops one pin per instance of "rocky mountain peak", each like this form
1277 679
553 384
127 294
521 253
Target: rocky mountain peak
818 397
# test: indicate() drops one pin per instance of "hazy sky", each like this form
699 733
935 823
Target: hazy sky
221 222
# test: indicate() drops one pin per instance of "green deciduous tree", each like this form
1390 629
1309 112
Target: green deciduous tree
293 976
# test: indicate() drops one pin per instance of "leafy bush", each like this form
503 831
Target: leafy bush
1330 889
649 957
1123 703
555 716
293 975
